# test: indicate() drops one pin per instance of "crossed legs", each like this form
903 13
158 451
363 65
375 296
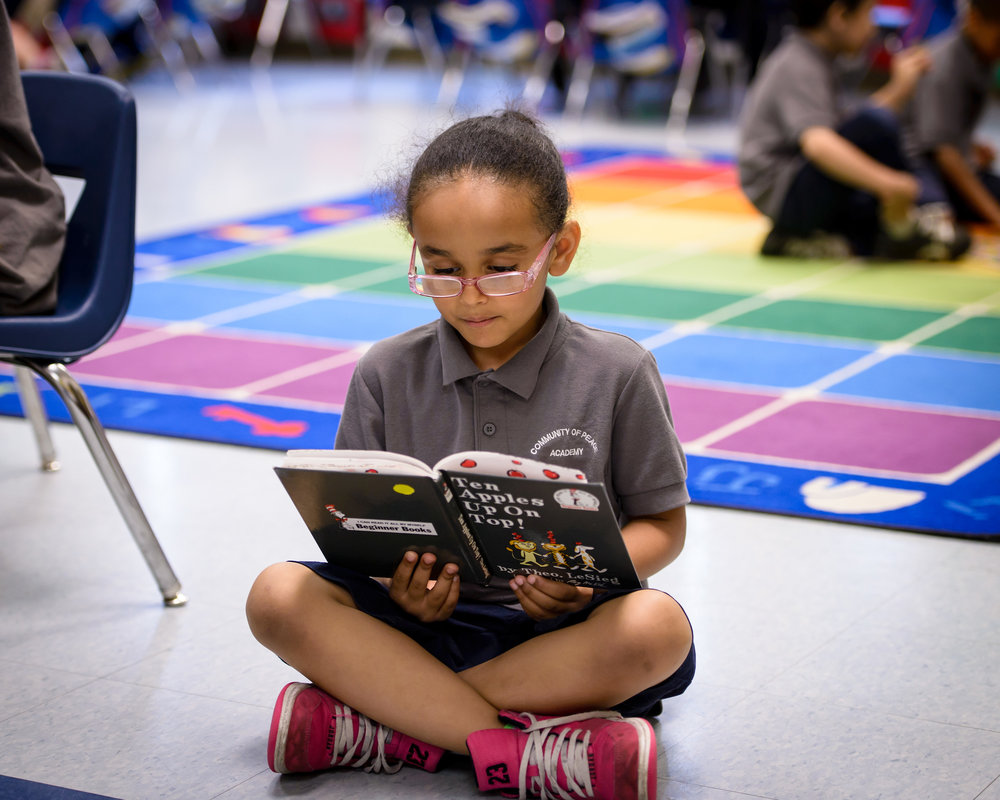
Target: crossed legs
626 645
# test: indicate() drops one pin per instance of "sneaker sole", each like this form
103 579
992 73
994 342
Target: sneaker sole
277 738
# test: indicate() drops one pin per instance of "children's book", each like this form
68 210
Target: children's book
495 516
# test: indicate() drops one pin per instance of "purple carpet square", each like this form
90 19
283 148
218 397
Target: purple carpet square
328 387
846 435
127 331
204 361
697 411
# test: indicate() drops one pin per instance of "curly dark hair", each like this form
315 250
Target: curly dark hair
809 14
989 10
509 147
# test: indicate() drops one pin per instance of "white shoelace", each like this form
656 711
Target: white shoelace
547 751
369 743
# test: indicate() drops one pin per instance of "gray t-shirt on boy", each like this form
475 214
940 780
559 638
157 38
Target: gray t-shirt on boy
950 98
796 89
574 396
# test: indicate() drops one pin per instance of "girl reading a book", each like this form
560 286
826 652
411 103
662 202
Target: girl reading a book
547 686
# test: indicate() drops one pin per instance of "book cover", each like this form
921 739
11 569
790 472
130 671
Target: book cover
494 515
367 521
564 531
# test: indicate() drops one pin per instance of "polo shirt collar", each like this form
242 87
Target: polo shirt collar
520 374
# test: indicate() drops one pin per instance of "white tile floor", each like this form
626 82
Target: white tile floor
834 662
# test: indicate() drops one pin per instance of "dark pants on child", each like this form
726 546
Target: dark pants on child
938 189
817 202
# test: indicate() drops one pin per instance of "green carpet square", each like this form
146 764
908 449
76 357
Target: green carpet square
911 284
977 334
654 302
595 256
294 268
835 319
732 272
394 286
376 239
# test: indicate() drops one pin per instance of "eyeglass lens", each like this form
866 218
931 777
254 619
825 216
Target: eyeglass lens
447 286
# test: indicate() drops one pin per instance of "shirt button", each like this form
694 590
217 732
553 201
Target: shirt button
489 428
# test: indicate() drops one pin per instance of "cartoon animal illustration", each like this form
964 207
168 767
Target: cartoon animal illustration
526 552
582 552
557 552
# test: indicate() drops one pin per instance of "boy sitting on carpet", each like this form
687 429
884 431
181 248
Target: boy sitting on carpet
835 183
947 108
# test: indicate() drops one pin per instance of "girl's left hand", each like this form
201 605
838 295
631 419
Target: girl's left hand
542 598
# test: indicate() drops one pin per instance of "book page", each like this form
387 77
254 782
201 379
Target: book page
372 461
485 463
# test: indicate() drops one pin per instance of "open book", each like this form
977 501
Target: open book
495 516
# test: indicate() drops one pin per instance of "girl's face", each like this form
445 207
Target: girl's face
475 226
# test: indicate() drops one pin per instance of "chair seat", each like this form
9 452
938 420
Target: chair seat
85 127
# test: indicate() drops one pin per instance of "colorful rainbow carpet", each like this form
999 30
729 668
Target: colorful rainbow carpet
849 391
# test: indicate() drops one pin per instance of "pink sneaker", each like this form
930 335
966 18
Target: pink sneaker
310 731
594 755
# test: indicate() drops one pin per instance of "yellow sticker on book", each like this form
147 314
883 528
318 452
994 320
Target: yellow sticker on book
403 488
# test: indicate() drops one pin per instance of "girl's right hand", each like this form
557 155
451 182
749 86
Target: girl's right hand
413 590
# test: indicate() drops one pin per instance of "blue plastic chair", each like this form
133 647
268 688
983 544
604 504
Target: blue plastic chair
391 26
505 33
85 126
638 38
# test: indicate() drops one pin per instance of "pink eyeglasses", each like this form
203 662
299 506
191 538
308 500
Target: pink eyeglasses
495 285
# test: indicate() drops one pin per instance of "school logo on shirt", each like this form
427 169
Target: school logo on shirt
564 443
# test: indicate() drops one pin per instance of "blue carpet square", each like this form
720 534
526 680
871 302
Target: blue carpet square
934 380
342 318
19 789
178 300
634 329
753 360
185 246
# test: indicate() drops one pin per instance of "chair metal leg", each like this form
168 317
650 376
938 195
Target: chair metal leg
579 88
93 434
34 412
687 81
63 45
541 71
453 78
271 22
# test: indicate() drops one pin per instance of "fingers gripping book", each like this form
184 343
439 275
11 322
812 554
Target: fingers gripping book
496 516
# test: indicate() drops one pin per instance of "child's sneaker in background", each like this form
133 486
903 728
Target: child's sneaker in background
817 245
594 755
310 731
931 235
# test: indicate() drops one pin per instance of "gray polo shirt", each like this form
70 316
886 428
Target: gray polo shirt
574 395
950 98
797 88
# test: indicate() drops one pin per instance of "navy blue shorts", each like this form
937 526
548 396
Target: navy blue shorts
478 632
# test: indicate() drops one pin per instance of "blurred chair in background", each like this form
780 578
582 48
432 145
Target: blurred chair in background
410 26
633 39
117 38
510 34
